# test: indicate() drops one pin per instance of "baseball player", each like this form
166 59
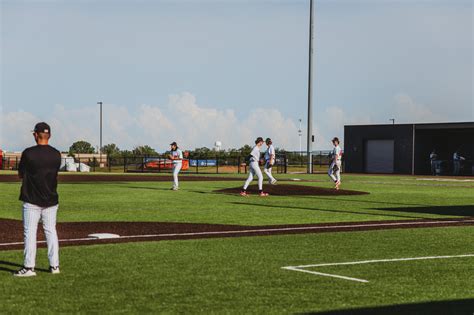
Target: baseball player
254 169
38 169
335 168
269 161
176 155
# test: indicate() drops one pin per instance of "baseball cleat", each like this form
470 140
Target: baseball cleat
244 194
338 183
175 188
25 272
54 270
263 194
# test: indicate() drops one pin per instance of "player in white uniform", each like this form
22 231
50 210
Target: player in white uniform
269 161
176 155
254 169
335 168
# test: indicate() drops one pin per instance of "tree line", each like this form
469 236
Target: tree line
113 151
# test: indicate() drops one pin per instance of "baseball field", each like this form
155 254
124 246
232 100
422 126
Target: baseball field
381 245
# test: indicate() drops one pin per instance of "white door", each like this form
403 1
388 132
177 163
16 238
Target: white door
379 156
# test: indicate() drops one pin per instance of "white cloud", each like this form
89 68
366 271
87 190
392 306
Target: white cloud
408 111
182 119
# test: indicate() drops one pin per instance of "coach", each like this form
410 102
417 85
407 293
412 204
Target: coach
39 166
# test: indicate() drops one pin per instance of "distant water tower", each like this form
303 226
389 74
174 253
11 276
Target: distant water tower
218 145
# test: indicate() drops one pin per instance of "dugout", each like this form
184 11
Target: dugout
405 148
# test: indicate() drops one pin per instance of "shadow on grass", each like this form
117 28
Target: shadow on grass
147 188
462 211
458 307
10 267
331 211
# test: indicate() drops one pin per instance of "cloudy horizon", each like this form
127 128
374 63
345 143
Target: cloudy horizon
200 72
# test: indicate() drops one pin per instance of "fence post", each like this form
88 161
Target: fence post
109 163
238 168
125 164
217 164
286 164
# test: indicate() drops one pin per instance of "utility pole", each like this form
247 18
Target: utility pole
309 149
100 147
300 134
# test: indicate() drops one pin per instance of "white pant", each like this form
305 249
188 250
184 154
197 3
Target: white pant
32 214
331 171
254 169
176 168
268 170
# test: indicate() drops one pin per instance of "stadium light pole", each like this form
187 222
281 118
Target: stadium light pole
300 133
100 146
309 149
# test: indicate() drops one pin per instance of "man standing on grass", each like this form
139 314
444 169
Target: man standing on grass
39 166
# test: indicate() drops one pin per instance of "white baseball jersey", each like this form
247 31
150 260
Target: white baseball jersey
177 154
255 154
269 153
337 153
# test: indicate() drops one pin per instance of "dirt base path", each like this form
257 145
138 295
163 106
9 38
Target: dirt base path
77 233
73 178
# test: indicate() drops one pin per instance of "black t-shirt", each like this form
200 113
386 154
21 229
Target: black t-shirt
39 166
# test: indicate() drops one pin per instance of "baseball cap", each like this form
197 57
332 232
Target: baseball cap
42 127
173 143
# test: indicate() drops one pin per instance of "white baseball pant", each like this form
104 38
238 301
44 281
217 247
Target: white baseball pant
268 170
337 173
254 169
176 168
32 214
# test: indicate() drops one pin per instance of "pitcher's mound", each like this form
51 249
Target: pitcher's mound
294 190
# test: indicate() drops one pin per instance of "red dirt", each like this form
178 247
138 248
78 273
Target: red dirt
294 190
11 231
73 178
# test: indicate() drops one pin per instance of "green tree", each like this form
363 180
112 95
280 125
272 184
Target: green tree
111 150
81 147
144 150
245 150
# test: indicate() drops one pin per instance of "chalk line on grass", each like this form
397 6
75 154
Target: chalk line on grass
302 268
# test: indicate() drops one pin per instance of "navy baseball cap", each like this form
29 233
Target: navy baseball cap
42 127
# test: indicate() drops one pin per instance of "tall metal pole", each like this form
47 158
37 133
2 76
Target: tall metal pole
100 147
300 133
309 149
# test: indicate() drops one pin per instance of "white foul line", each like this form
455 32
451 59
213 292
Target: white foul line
301 268
302 228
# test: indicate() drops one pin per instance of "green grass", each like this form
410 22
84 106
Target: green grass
244 275
390 198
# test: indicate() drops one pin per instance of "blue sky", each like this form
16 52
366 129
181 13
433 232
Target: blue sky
201 71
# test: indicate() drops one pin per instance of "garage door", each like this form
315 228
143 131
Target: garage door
379 156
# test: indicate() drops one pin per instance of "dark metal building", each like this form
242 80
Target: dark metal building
406 148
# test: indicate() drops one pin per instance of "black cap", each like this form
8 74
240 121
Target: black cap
42 127
174 143
259 139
